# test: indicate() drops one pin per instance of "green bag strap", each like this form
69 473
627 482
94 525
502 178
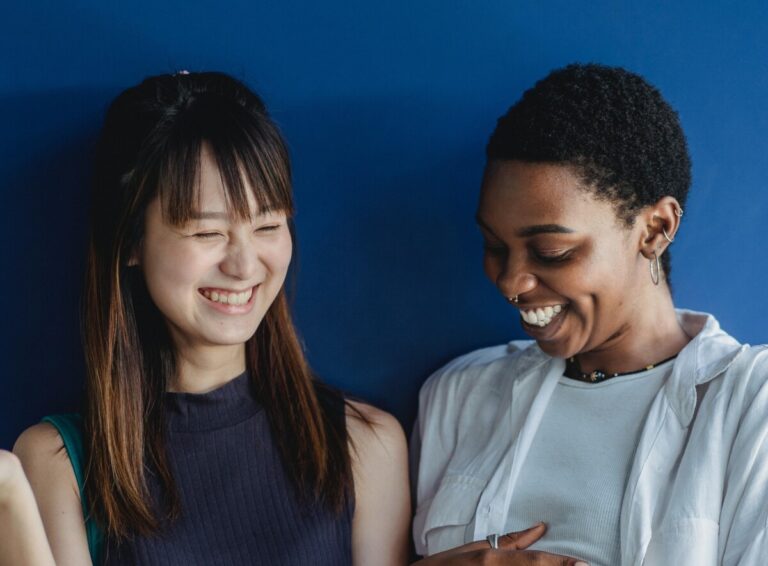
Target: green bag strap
70 427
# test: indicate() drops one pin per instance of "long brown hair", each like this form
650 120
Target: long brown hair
150 147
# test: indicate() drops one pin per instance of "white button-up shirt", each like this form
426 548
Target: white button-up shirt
697 492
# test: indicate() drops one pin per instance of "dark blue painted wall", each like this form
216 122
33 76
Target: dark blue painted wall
386 106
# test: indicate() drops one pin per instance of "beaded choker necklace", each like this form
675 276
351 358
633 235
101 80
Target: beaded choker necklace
573 371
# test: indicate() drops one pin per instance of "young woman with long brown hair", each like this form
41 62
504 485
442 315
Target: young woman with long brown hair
206 438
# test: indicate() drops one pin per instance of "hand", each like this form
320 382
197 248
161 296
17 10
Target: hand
511 552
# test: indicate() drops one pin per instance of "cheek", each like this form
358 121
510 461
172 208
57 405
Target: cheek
278 257
168 270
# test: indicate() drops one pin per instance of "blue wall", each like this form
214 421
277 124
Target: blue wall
386 106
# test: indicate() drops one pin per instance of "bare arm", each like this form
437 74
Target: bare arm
22 536
382 517
53 482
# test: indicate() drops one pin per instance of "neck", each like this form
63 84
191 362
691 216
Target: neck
203 369
651 335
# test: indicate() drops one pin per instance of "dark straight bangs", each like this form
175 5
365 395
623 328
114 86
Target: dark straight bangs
249 153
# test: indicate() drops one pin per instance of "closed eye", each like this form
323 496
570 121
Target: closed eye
268 228
206 235
552 257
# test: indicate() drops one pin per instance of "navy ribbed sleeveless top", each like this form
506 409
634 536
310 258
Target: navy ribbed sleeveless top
238 505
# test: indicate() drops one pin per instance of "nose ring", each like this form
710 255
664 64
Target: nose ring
514 299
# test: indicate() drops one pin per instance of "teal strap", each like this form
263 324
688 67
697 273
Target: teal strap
70 429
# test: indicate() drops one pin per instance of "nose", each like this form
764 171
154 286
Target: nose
241 260
514 279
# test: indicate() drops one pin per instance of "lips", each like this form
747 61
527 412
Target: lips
230 301
227 297
541 316
547 330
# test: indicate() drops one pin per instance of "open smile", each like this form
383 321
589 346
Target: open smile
229 300
543 322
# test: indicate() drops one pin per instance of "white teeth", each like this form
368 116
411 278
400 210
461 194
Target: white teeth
229 298
542 316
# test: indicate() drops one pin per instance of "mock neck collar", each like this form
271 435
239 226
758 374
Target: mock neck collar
224 406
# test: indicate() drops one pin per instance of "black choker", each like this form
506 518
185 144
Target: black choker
573 371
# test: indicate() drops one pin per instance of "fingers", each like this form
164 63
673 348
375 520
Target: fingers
547 559
521 540
511 541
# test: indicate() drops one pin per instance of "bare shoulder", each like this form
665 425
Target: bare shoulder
40 440
382 497
52 478
43 456
371 428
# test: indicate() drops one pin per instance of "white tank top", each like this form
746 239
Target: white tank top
575 474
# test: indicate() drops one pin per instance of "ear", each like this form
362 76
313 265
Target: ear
133 260
661 223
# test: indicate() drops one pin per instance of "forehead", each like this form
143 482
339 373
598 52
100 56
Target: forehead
209 193
519 194
210 185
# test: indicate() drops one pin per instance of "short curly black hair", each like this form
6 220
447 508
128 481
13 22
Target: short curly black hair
614 128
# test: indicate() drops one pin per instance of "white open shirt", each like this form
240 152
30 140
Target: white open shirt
697 492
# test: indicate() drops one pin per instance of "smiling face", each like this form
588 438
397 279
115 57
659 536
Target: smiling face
214 278
577 271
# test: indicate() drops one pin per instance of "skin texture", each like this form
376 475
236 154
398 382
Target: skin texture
53 482
223 252
380 533
614 317
511 552
22 537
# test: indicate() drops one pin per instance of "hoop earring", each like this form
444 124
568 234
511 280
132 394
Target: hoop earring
667 236
679 212
514 299
655 275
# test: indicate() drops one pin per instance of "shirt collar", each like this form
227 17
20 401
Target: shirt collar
709 353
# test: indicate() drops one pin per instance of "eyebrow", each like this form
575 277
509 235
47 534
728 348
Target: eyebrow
529 231
534 230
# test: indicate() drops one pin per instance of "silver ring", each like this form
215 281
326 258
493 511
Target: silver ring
493 540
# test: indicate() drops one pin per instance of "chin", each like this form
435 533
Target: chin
229 336
554 349
563 348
